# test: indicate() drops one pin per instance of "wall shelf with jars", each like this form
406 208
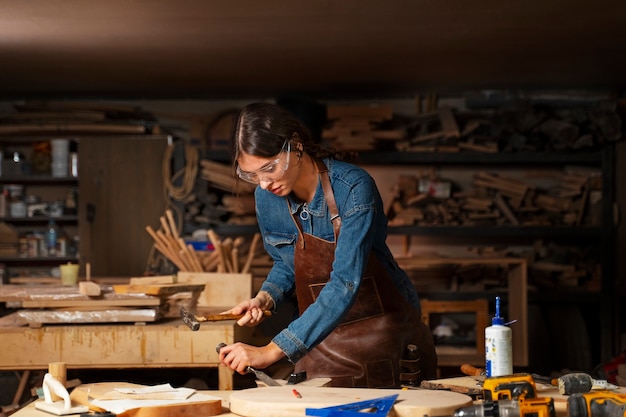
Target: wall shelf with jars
38 206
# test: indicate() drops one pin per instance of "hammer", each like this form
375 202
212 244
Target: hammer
579 383
193 322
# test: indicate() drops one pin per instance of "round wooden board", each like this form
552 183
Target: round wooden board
281 401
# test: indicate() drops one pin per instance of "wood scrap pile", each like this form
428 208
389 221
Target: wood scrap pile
77 118
359 128
521 127
552 265
497 199
226 200
49 304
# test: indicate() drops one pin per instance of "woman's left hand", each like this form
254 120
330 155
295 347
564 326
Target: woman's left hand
239 356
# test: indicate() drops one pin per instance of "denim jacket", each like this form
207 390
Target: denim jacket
363 231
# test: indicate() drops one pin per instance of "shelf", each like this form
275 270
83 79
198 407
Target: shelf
48 260
475 158
534 232
470 158
39 220
537 232
38 179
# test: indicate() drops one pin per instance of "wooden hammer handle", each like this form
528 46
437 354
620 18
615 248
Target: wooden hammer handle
220 317
470 370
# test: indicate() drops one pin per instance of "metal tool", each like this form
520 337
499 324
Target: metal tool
380 407
521 407
512 396
260 375
193 322
296 378
597 404
263 377
576 383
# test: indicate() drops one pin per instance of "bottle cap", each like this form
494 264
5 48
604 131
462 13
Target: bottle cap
497 320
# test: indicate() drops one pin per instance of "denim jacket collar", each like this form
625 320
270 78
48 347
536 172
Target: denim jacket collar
317 206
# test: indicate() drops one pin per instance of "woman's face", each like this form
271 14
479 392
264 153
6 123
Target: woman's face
276 174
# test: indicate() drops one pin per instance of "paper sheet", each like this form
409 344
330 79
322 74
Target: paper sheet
121 405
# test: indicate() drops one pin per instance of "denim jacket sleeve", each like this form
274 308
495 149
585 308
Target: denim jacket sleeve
359 206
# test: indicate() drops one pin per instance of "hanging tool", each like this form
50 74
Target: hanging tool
193 322
378 407
597 404
260 375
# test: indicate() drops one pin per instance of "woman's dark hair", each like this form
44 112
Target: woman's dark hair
262 129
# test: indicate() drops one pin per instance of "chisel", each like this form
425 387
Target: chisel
260 375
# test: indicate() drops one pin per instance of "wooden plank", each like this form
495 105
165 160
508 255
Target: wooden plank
161 279
159 290
80 300
109 315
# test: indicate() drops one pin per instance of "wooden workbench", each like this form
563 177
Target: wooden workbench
166 344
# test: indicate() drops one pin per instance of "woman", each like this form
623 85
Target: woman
323 224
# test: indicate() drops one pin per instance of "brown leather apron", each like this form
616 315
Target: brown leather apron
369 348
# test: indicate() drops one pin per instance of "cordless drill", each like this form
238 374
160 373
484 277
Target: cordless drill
597 404
510 396
522 407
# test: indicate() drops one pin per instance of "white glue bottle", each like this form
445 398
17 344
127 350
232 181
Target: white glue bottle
498 346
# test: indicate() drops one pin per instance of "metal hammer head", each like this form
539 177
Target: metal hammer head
189 319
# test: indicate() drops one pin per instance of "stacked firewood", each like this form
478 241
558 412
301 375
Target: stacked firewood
519 127
359 128
498 200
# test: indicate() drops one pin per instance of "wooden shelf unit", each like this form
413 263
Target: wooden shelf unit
517 290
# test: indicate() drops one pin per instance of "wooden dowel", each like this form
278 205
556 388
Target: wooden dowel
235 259
251 252
165 226
172 223
194 259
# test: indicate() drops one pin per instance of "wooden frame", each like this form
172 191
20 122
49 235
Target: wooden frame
458 355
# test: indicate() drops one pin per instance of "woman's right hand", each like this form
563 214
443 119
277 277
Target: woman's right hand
251 309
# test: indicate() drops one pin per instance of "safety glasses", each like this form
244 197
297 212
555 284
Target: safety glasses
271 171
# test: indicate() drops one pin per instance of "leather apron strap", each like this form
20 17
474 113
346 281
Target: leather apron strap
367 348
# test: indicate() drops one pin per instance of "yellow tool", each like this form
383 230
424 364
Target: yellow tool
509 387
597 404
511 396
522 407
576 383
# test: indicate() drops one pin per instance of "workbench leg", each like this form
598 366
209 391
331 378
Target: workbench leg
21 387
224 378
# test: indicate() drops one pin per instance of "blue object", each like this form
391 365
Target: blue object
51 237
376 407
497 320
200 245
